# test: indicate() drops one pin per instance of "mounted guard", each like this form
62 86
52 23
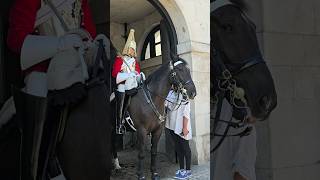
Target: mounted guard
126 71
52 37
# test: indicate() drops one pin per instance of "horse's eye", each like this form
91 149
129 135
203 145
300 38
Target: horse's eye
227 28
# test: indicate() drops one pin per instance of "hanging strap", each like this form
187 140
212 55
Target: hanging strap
148 98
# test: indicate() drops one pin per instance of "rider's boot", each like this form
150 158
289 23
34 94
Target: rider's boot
120 129
47 159
32 112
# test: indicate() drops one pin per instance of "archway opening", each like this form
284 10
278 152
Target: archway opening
156 40
154 31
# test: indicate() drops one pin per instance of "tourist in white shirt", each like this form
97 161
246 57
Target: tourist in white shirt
179 125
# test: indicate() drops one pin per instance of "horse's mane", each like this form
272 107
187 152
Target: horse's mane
154 75
241 4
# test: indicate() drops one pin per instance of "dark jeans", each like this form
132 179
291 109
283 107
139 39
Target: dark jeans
183 150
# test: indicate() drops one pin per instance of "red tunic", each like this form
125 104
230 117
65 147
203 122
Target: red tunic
21 23
117 66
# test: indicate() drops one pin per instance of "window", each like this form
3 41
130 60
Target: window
152 45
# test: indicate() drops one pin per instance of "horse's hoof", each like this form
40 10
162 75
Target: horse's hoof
155 176
142 178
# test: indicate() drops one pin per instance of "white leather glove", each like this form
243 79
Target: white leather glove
70 41
142 76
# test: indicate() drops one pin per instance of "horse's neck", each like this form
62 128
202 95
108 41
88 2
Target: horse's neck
160 87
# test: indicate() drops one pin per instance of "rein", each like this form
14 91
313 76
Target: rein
227 85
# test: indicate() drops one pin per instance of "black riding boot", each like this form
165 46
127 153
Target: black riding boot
120 129
48 164
32 112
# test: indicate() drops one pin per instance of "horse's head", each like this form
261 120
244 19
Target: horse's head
180 78
233 37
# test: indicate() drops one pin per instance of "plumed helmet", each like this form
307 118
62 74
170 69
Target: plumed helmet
131 43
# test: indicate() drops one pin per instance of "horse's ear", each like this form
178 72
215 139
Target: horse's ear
171 64
174 57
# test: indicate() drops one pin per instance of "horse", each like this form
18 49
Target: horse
84 149
238 71
146 108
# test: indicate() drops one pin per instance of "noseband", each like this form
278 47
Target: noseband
227 85
176 82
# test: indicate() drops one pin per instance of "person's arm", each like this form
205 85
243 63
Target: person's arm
137 68
185 126
87 22
21 22
32 47
186 119
116 66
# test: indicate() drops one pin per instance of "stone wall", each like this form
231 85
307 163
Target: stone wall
116 35
290 38
142 29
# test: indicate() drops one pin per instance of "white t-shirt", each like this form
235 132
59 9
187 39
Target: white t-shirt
236 154
176 113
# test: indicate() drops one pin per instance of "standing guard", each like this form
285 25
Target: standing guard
126 71
51 37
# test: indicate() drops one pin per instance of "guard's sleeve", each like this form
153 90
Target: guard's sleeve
88 23
22 18
116 66
137 67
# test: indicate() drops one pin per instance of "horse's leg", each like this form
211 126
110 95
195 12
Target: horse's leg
154 151
142 133
114 152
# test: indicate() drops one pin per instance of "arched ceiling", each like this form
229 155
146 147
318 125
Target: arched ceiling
127 11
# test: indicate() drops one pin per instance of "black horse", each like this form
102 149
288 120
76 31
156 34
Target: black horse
239 72
147 107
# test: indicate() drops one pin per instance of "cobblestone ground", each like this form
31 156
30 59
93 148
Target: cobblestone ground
128 160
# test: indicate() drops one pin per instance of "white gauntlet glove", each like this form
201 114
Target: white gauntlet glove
36 49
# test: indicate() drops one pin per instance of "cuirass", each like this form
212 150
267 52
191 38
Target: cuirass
69 10
129 64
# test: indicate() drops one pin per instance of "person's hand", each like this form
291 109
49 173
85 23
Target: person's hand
70 41
185 132
133 75
138 78
84 34
142 76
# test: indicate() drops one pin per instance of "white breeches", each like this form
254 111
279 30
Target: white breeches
130 83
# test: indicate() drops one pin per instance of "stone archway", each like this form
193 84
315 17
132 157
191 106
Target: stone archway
189 33
191 22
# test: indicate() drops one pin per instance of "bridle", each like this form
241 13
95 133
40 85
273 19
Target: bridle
176 82
227 86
